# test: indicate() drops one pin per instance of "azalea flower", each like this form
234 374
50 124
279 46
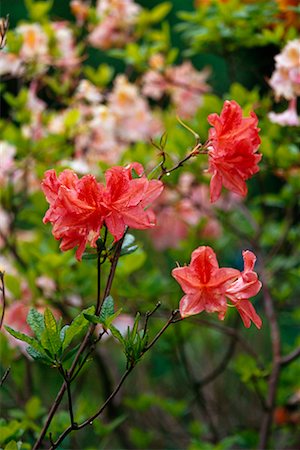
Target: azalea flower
125 199
75 209
207 287
247 285
289 117
234 141
79 207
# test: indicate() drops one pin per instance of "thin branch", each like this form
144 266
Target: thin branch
90 420
2 289
194 152
285 360
83 345
220 368
148 315
265 429
167 324
4 376
14 251
234 333
4 24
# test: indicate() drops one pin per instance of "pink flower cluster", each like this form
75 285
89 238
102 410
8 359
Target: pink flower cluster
40 50
103 128
79 207
116 19
208 287
285 82
184 84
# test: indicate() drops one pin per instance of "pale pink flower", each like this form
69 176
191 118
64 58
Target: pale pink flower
116 20
15 317
10 64
35 42
47 285
170 229
154 85
5 221
286 78
7 164
80 11
65 42
135 121
187 88
289 117
184 84
88 91
124 10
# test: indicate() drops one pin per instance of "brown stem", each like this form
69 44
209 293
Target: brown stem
83 345
194 152
285 360
90 420
2 289
266 425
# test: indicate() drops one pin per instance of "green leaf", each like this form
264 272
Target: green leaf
50 337
93 318
29 340
107 308
12 445
78 326
36 322
116 333
127 246
160 11
98 319
37 356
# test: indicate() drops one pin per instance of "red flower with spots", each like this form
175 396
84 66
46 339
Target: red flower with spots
234 141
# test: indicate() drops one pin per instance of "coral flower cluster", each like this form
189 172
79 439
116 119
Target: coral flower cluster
233 145
80 207
208 287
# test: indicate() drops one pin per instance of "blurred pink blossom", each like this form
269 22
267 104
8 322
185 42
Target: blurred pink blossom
35 42
116 20
7 164
289 117
285 80
184 84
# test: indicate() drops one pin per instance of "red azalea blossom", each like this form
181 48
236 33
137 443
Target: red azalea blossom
125 199
207 286
232 155
75 209
79 207
246 286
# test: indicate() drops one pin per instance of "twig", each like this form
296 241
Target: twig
148 315
4 376
220 368
4 24
234 333
285 360
83 345
90 420
2 289
194 152
265 429
167 324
